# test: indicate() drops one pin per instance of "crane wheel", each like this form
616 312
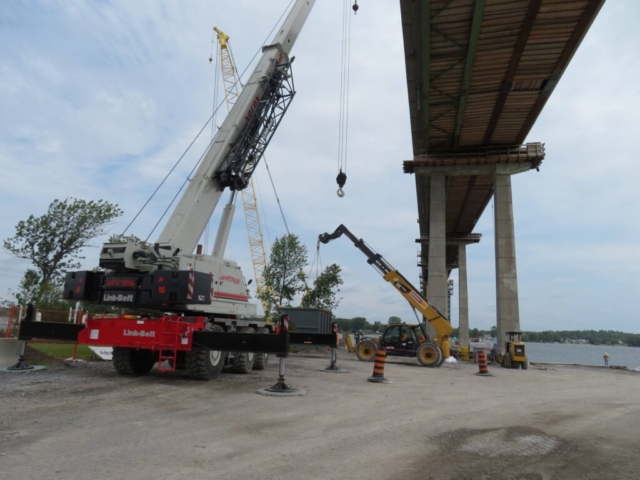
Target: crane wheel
243 362
366 351
262 359
524 364
129 361
429 355
202 364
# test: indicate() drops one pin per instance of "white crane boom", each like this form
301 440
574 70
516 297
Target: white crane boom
190 217
169 275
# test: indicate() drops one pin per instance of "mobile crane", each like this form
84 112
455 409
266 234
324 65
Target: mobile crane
429 353
195 299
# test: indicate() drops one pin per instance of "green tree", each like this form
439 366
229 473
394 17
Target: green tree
358 323
283 276
53 241
325 289
394 320
494 331
344 324
376 326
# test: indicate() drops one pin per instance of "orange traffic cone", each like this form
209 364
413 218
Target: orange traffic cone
378 367
482 365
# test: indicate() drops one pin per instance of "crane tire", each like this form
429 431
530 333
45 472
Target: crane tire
366 351
524 364
204 364
429 354
129 361
262 359
243 362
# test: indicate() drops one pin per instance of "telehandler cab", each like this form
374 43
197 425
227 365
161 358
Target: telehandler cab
402 340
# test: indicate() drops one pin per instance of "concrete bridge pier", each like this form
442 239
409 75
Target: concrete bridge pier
507 305
437 275
463 297
442 233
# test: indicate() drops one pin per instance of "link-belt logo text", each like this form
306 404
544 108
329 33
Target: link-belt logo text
117 297
138 333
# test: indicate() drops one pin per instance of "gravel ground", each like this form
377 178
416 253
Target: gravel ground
83 421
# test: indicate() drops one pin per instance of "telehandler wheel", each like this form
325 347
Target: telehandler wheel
202 364
524 364
507 360
366 351
243 362
442 359
429 354
129 361
262 359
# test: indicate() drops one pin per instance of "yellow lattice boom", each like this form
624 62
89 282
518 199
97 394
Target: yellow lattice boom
249 201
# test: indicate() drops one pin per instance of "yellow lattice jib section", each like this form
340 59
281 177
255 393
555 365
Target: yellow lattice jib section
249 201
229 74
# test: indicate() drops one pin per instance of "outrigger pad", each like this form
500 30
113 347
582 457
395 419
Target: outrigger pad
281 389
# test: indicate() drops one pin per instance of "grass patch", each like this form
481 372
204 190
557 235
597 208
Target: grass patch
62 350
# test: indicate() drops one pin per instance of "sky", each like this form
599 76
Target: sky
99 99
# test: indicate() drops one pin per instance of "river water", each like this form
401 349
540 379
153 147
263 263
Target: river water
583 354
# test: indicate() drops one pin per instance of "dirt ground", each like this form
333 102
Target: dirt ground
83 421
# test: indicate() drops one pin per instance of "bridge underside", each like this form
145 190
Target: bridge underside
479 73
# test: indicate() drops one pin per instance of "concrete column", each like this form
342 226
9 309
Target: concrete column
506 274
463 297
437 280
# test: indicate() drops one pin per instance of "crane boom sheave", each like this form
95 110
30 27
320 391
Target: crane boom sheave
190 217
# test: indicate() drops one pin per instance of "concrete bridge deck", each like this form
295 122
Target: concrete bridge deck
479 73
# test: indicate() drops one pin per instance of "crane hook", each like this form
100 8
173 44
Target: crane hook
341 179
355 7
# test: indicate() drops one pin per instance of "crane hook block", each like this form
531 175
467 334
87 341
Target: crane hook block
355 7
341 179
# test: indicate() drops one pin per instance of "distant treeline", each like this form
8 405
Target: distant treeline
593 337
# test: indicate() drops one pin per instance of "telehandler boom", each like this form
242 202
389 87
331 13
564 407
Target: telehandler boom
409 292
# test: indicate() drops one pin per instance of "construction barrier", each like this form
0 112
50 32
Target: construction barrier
482 365
378 367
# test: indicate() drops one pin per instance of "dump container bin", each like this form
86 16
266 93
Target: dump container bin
309 320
